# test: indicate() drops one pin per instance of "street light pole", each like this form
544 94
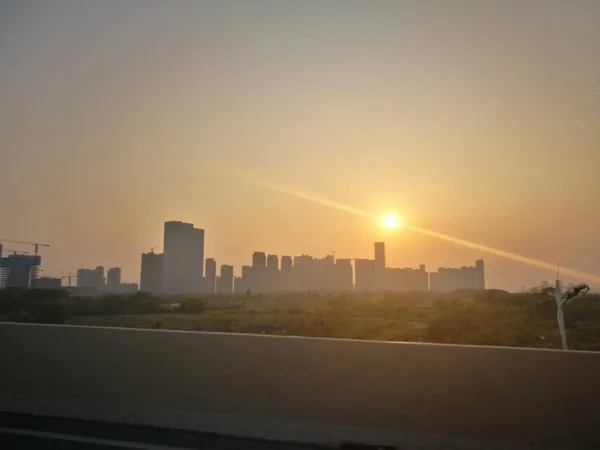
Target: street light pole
561 298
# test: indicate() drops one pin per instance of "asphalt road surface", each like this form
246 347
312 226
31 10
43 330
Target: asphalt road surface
22 432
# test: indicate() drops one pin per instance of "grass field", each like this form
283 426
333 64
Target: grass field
294 322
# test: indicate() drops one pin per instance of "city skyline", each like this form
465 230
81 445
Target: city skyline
466 120
182 237
94 277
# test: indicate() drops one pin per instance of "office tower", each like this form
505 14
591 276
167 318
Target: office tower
379 282
259 265
272 279
450 279
151 277
91 278
225 280
211 275
245 282
247 272
480 274
379 256
304 273
364 274
325 274
272 262
343 275
113 279
286 263
407 279
286 274
259 260
183 264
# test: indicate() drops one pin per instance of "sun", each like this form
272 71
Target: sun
390 221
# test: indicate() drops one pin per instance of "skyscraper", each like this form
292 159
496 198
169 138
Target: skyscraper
363 274
286 276
450 279
225 280
480 274
183 265
259 266
151 278
379 267
286 263
272 262
379 256
343 275
91 278
113 279
272 279
211 275
259 260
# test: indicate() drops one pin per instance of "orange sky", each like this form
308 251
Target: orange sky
475 119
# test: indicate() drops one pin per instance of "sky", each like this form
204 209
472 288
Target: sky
477 119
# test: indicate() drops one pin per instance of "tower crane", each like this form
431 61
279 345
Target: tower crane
68 278
36 245
15 252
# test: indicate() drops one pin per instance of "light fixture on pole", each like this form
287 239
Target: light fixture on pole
563 297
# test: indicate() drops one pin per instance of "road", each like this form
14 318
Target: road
21 432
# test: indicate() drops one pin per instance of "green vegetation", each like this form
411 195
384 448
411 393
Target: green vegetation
482 318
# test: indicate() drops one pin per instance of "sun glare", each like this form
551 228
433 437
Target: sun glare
390 221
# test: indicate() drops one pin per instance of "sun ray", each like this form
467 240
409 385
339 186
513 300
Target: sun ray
445 237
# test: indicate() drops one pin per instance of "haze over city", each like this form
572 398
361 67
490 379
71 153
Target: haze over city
476 122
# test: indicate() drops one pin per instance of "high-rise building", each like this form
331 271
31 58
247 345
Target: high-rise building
225 280
450 279
272 262
406 279
211 275
272 278
245 281
379 267
379 256
286 275
259 260
47 283
113 279
480 274
259 266
304 273
343 275
151 278
183 265
91 278
18 270
286 263
364 274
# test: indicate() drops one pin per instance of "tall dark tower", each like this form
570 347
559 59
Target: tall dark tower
379 256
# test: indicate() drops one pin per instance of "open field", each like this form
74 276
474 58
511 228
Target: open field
469 317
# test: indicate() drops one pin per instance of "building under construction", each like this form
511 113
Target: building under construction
18 270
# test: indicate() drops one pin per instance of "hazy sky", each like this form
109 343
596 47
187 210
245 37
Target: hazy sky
479 119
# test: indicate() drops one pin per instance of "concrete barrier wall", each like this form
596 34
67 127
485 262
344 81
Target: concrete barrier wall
304 389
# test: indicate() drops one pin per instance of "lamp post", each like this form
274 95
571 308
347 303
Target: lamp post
561 298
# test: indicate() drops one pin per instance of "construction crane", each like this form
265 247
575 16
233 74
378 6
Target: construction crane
36 245
69 277
15 252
